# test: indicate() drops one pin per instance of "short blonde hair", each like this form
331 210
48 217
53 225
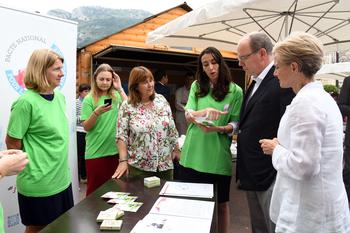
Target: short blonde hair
35 74
304 49
137 75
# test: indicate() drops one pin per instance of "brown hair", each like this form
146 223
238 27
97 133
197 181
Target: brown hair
222 87
35 74
95 91
137 75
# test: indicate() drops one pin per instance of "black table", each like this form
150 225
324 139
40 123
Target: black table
82 217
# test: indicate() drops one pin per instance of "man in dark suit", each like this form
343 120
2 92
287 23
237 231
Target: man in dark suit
344 105
160 87
263 106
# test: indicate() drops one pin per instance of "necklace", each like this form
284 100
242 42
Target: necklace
146 104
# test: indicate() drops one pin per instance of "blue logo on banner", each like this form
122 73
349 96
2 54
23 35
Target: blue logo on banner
16 80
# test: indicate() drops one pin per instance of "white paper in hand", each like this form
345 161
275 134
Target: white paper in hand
204 121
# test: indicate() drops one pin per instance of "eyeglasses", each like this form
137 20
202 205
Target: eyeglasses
245 57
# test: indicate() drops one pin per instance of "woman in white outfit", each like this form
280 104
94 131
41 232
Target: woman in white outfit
309 194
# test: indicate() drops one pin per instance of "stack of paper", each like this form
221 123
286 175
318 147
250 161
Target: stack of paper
183 189
111 225
174 215
152 181
110 214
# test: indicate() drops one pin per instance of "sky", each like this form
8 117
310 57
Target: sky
153 6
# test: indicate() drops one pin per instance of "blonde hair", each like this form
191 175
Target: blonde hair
137 75
304 49
35 74
95 91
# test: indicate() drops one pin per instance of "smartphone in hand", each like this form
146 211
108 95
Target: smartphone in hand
108 102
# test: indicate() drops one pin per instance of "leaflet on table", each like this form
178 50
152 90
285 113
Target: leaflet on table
184 189
124 202
183 207
129 206
123 199
114 195
155 223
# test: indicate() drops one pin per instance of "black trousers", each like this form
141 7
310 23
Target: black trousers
176 169
81 155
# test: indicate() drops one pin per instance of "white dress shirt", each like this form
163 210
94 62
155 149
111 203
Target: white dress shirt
309 194
258 79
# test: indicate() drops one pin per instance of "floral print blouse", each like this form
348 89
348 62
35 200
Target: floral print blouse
149 133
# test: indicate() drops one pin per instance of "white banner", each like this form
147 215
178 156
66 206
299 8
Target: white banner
22 32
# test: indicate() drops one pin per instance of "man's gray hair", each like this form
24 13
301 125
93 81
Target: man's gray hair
260 40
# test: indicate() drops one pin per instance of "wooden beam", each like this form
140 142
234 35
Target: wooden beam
143 61
127 37
135 31
160 21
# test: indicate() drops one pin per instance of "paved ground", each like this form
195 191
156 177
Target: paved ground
240 222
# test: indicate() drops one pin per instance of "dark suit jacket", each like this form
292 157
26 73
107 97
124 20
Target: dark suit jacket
163 90
259 119
344 106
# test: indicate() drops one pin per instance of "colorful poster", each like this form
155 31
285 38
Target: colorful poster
22 32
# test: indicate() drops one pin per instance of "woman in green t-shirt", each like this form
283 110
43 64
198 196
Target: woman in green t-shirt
39 125
99 117
212 110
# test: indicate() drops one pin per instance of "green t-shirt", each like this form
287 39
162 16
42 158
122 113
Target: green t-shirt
210 152
101 139
42 126
2 229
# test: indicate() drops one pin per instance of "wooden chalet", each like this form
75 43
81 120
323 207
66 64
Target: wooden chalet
127 48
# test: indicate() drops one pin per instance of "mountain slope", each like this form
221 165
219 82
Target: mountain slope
97 22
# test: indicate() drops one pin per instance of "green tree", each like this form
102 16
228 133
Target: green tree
331 88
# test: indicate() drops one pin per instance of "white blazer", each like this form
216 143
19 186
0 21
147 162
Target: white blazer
309 194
